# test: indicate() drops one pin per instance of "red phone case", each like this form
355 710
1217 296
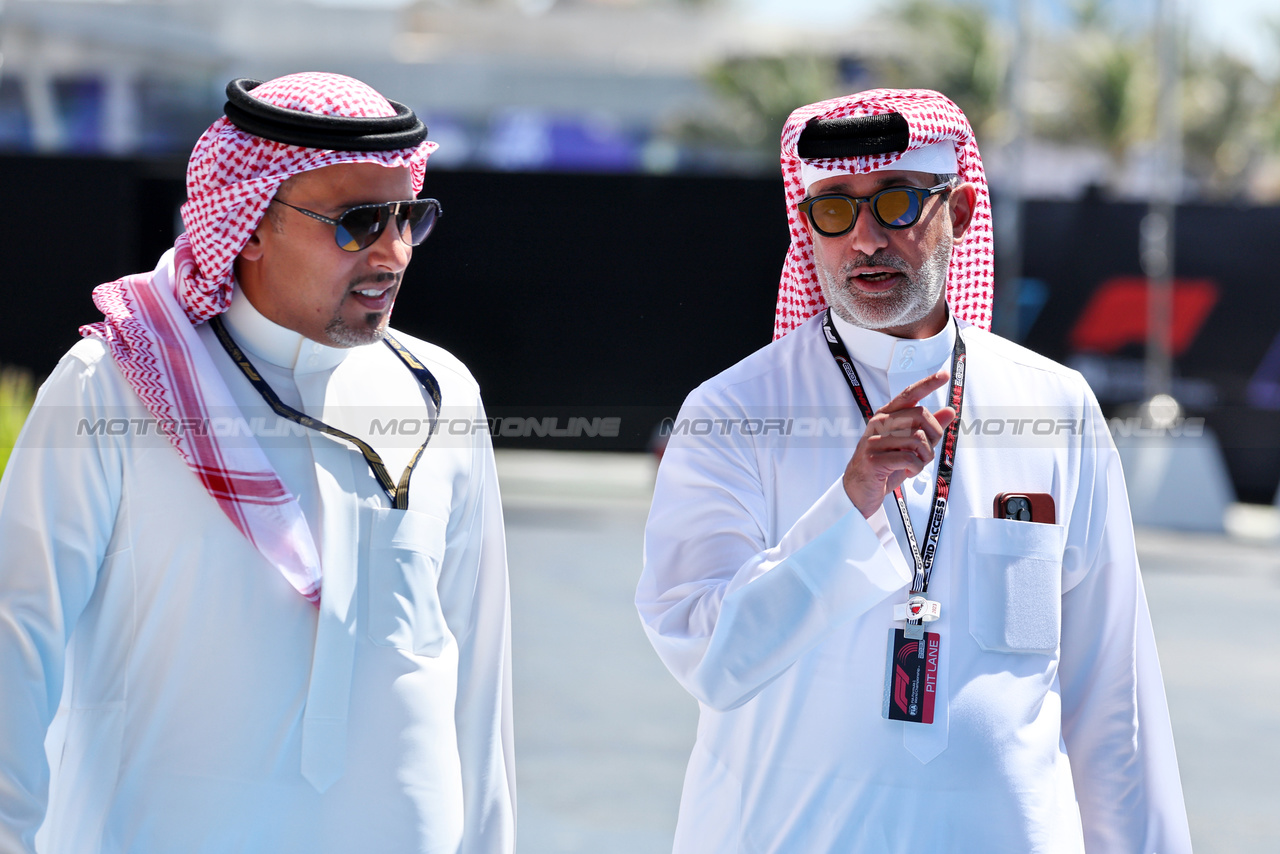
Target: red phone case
1042 506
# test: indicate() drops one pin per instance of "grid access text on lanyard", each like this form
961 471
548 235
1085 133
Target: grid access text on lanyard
946 464
397 494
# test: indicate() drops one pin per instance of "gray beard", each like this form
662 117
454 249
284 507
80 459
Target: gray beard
342 334
909 303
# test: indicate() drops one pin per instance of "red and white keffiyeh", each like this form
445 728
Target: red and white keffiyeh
151 318
931 118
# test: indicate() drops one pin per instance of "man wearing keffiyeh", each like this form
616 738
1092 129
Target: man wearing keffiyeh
238 610
890 553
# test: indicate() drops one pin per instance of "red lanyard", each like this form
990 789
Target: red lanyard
946 464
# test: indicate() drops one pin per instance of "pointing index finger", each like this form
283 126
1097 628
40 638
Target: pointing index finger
917 391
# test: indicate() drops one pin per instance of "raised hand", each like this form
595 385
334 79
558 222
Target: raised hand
897 444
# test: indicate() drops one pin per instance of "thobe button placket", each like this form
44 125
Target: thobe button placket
324 724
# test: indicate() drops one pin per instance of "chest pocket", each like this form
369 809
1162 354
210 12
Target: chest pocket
1015 585
405 553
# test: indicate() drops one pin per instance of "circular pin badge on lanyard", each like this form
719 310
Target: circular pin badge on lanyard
925 610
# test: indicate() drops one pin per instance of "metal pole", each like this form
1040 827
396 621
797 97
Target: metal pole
1157 243
1010 221
3 32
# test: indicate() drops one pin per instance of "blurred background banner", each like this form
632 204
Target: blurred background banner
614 220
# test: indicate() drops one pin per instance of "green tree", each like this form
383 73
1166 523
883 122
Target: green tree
756 95
1225 117
957 49
1270 123
17 392
1108 81
764 90
1109 84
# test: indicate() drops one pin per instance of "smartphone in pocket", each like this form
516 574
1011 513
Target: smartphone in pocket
1025 507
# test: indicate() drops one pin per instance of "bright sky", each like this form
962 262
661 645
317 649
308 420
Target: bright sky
1239 23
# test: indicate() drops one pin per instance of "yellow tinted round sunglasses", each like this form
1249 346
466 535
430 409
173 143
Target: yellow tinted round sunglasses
834 214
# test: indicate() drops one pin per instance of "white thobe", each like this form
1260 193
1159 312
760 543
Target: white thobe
771 598
182 693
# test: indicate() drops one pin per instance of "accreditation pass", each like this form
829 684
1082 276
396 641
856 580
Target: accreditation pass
911 683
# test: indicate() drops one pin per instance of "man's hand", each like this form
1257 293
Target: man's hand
897 444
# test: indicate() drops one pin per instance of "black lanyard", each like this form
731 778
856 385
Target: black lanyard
946 464
397 493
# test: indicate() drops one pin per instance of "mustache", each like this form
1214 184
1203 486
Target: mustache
879 259
373 279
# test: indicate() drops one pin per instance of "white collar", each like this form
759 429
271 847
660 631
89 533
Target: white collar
890 354
273 343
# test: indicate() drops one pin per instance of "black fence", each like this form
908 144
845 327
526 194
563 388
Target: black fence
595 297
